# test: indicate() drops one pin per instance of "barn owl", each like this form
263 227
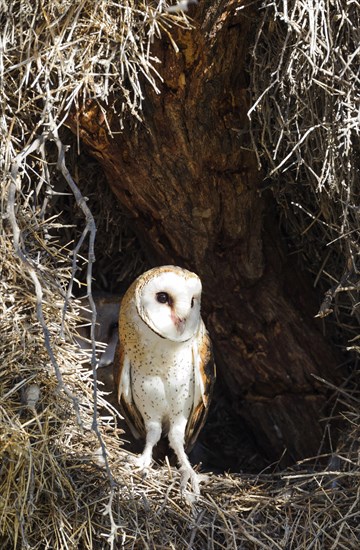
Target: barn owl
163 369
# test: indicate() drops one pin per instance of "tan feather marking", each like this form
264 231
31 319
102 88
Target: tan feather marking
207 375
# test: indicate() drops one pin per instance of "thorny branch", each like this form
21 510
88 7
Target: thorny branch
91 229
21 252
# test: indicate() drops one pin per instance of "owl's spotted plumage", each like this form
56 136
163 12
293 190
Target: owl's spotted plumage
164 370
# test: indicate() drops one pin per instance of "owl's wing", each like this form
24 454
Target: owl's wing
123 385
205 374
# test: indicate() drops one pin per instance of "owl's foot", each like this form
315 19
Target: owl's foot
142 464
188 474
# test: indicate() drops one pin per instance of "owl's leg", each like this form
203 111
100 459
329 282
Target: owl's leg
153 434
176 437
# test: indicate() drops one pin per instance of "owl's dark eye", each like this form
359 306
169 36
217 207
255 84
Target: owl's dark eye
192 302
163 297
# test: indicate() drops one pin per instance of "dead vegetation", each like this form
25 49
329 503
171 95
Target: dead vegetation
305 120
64 482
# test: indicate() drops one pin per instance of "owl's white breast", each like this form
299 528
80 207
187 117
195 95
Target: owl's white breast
163 382
162 373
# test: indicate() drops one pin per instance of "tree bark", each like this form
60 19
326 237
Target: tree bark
189 179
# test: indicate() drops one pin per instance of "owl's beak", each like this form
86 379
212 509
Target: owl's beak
178 322
180 325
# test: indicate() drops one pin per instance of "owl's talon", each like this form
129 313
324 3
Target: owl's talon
144 473
186 475
142 465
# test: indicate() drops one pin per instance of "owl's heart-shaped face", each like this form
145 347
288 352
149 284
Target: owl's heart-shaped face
168 301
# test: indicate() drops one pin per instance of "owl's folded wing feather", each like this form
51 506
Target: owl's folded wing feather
122 378
205 374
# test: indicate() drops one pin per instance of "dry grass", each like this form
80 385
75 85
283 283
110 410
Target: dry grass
64 481
56 493
305 121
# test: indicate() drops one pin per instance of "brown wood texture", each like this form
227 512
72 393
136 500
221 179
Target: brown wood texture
189 180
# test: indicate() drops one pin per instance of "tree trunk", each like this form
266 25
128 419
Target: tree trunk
189 179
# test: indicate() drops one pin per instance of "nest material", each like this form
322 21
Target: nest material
56 492
64 481
305 123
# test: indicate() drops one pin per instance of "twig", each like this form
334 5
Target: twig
91 229
20 252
